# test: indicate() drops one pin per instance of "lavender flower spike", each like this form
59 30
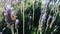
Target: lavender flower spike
52 21
43 17
50 17
16 23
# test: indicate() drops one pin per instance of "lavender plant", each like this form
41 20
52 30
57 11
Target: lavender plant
37 13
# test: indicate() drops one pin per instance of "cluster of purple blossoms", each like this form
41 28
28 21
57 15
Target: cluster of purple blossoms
16 23
9 10
43 16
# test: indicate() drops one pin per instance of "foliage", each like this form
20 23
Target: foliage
50 26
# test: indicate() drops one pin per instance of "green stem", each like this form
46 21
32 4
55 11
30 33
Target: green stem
23 19
12 29
33 10
17 30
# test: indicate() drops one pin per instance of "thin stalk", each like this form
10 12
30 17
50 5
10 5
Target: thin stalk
12 29
21 6
23 20
40 23
33 10
17 30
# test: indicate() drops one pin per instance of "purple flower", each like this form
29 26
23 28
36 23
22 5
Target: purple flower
9 9
52 21
42 12
16 22
0 32
11 1
49 17
12 14
43 17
